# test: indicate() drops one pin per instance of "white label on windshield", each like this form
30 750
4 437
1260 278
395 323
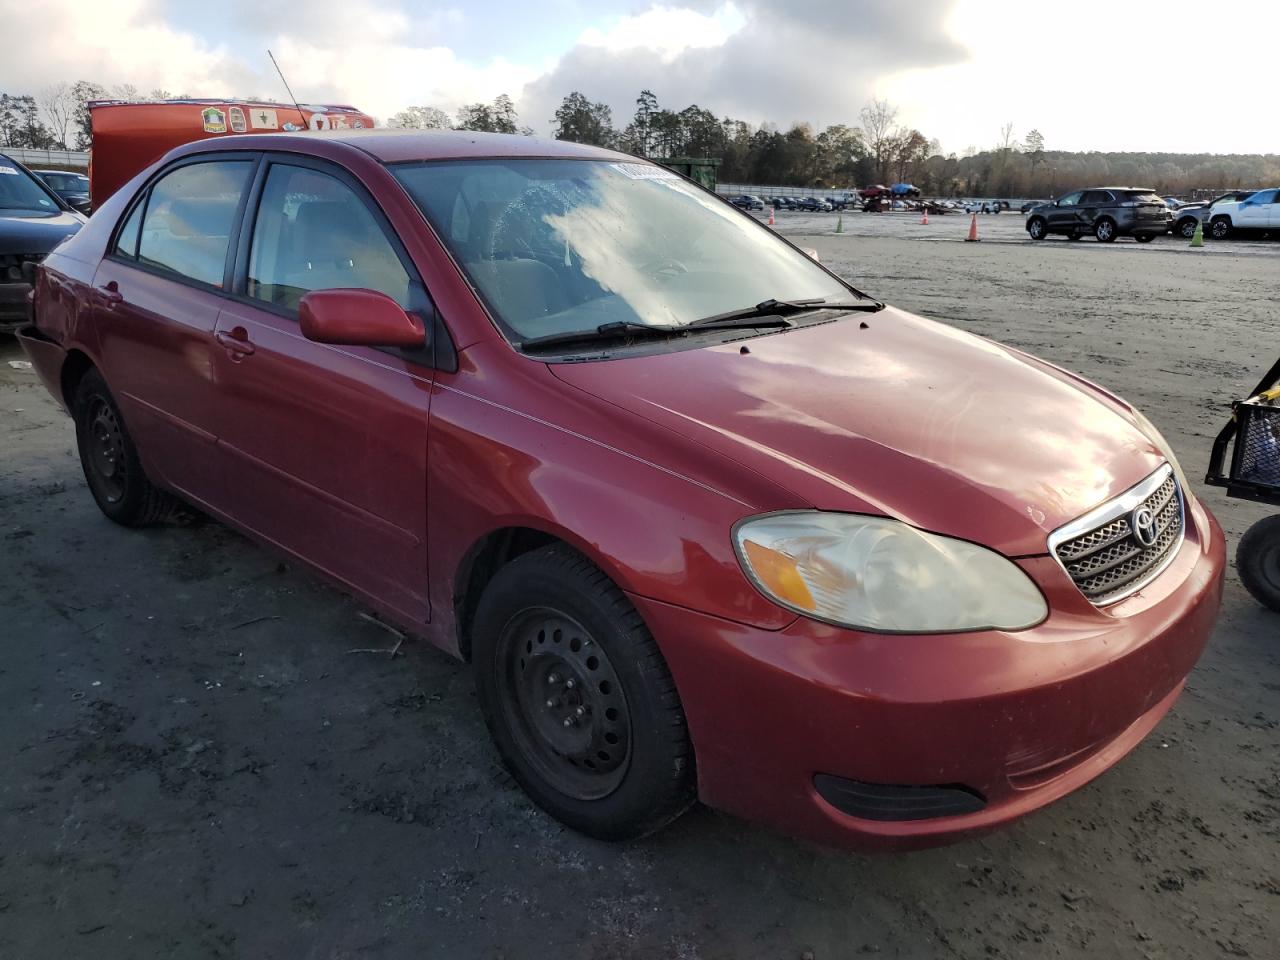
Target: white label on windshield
12 171
645 171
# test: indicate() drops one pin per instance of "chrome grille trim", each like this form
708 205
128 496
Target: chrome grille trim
1101 555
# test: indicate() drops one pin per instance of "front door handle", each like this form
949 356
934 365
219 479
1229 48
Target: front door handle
236 341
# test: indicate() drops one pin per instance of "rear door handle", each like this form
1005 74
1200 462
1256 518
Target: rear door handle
235 340
111 295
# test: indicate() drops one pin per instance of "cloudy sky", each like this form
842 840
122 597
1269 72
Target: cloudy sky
1091 75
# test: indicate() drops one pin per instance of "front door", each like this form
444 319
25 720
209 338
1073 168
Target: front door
1255 212
1062 215
326 445
156 299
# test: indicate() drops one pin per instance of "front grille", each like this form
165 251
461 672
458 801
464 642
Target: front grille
11 265
1103 553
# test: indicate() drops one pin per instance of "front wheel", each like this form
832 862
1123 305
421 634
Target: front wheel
1187 227
1105 230
1258 562
1037 228
110 459
578 698
1220 228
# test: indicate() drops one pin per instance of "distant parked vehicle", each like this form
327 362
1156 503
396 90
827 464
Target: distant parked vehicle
71 187
746 201
844 201
1190 214
1031 205
1105 212
874 192
783 203
1260 212
813 204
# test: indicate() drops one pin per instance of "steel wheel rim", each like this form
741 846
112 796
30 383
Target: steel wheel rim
1269 567
106 451
564 704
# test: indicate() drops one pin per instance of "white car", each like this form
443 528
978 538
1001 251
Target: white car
1261 211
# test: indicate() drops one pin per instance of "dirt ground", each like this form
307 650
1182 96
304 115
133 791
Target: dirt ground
201 759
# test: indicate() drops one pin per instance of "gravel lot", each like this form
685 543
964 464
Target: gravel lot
202 760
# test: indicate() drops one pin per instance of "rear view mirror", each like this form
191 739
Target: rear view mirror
358 318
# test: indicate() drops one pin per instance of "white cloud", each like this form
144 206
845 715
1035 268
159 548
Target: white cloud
668 30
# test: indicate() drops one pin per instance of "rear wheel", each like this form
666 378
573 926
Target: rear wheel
1220 228
1037 228
578 698
1258 562
1105 230
110 460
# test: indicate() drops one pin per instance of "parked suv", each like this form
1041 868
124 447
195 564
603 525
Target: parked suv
1190 214
1258 212
1105 212
747 202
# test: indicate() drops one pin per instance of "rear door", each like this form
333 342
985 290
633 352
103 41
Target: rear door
1093 204
156 299
326 445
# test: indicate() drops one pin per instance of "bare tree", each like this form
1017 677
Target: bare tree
59 104
421 118
879 118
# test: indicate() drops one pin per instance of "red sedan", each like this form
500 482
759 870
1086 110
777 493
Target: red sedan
707 521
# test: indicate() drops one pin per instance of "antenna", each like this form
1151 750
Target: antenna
301 118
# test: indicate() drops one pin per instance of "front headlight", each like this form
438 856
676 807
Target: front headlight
873 573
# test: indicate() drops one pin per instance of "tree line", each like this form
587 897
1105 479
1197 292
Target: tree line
874 149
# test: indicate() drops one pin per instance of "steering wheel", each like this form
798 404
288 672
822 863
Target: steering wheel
664 265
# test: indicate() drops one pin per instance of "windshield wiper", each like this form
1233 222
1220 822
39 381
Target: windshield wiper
775 309
617 329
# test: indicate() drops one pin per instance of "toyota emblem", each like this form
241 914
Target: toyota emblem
1143 522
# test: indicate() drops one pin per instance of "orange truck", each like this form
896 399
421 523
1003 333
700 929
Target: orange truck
128 137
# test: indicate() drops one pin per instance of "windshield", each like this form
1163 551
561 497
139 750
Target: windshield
66 181
556 246
18 191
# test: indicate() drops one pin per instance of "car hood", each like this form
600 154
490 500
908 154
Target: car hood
903 417
36 231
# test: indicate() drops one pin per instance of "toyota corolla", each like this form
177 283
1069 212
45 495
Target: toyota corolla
707 521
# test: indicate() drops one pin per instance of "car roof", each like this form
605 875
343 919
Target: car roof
400 146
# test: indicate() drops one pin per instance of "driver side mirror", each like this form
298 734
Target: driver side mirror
358 318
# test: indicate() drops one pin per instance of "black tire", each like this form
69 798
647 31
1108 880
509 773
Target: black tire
1220 228
1187 227
1105 230
110 460
611 757
1258 562
1037 228
1144 237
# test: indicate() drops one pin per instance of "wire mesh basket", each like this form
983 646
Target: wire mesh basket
1256 458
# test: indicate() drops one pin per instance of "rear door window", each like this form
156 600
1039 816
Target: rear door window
189 216
313 233
1096 198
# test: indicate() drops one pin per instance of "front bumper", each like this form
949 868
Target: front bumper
14 312
1019 719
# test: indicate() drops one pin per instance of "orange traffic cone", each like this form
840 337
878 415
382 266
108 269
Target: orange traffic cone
973 230
924 221
771 216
